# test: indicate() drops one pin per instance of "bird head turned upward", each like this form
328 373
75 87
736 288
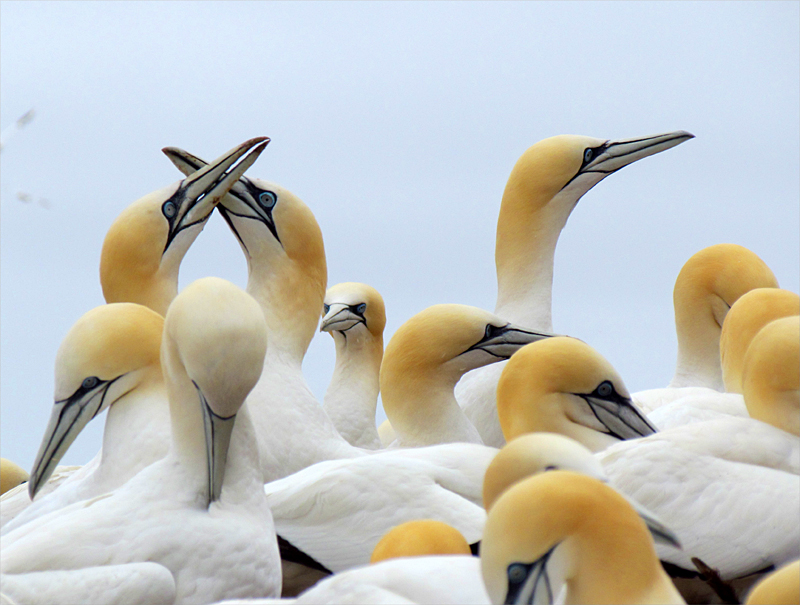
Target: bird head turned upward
562 385
145 245
544 186
282 242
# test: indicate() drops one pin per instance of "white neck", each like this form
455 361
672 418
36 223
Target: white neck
424 411
524 255
136 433
352 395
293 430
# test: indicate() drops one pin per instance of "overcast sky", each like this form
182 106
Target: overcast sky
398 124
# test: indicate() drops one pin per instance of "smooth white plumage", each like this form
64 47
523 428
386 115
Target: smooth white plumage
542 190
431 580
729 487
191 514
354 316
116 347
287 275
140 263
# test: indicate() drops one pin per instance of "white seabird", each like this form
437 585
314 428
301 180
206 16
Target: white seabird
139 263
198 511
542 190
354 315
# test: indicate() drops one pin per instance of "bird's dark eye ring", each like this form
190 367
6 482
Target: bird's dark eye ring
169 209
267 199
90 382
587 156
361 308
326 308
517 573
605 389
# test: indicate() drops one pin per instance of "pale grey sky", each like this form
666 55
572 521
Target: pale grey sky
398 124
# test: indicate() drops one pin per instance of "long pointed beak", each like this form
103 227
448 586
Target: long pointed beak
218 432
67 420
618 154
506 341
243 199
339 320
620 417
197 194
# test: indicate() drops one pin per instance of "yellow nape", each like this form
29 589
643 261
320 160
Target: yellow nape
531 454
534 393
747 316
597 542
131 259
707 286
781 587
106 342
288 277
11 475
771 375
527 221
415 362
418 539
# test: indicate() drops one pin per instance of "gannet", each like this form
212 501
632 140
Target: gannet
11 475
420 538
728 487
542 190
425 359
287 275
321 510
781 587
109 359
336 511
145 245
567 529
534 453
422 561
198 511
562 385
771 375
139 263
747 316
354 315
710 282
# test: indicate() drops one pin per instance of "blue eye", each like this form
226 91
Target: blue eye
90 383
361 308
326 308
587 156
605 389
267 199
517 572
169 209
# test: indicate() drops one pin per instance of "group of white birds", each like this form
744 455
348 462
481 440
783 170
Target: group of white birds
222 477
